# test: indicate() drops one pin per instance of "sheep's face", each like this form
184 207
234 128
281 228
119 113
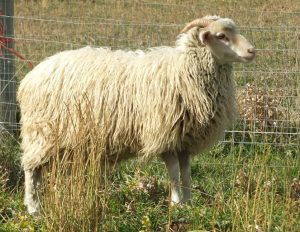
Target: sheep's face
225 43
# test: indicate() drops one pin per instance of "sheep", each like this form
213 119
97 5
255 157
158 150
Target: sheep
171 102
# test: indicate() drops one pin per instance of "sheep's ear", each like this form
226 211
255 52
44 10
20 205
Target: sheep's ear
204 37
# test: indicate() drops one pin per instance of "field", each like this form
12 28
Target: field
249 182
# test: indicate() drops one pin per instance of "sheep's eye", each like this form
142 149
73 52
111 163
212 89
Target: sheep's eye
221 36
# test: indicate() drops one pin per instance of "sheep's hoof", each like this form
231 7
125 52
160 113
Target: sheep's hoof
34 210
175 203
187 201
181 203
35 214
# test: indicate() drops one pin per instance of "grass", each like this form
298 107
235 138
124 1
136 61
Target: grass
236 187
244 190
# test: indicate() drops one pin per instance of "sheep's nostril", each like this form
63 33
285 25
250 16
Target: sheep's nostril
251 50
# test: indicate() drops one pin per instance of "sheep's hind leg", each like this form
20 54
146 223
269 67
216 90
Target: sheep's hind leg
31 197
185 171
172 164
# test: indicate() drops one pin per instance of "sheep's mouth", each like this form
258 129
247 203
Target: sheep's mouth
247 58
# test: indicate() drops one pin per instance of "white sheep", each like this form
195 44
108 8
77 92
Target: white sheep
172 102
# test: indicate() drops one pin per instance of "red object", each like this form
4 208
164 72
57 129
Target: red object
3 44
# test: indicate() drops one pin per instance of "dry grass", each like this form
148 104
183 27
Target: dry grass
262 107
75 186
75 197
3 178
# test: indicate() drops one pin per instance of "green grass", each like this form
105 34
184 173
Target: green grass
243 190
231 193
241 187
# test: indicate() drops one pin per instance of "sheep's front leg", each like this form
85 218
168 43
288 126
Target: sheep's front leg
172 165
185 172
31 198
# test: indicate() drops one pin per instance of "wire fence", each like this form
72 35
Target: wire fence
268 90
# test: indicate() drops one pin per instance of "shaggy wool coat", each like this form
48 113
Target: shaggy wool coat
146 103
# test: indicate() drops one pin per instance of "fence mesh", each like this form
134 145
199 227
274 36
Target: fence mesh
267 90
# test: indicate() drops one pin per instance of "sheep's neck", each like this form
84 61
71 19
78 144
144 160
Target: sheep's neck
211 83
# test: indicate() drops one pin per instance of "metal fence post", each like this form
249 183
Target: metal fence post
8 107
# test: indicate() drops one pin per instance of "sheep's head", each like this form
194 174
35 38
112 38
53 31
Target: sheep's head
221 37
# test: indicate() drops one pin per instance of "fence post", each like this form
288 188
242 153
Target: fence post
8 107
